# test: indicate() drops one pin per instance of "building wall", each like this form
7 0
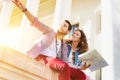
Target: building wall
116 37
87 13
100 21
83 10
111 31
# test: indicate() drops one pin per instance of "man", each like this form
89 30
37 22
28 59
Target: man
50 50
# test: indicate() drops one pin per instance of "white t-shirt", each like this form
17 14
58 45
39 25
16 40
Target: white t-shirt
51 49
70 58
71 61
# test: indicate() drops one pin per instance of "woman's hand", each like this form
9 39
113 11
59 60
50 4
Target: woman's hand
84 66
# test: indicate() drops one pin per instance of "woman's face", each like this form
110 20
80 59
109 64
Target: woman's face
76 36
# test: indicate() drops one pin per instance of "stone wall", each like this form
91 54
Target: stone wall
17 66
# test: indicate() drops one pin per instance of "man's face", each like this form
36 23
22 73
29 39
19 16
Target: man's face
64 28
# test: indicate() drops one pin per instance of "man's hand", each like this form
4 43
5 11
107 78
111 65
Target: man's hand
84 66
59 67
19 4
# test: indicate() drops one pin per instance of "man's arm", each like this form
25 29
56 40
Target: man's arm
24 9
36 23
41 45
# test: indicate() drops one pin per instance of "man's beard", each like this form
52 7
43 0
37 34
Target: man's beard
61 33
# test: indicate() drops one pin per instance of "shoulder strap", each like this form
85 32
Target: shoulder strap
62 49
69 49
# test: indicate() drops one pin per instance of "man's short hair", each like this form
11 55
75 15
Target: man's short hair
70 26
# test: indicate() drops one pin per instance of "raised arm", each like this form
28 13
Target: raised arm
35 22
24 9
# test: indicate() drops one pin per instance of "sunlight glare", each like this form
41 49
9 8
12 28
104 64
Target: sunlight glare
8 38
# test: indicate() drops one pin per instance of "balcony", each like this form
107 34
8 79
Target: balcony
15 65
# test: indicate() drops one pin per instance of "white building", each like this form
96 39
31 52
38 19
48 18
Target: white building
98 18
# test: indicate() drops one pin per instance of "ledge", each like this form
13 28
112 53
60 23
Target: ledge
22 67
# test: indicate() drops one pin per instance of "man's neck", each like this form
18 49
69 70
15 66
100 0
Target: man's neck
60 36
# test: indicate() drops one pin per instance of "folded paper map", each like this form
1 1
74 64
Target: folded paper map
94 58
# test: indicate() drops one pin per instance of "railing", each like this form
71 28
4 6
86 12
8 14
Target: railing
17 66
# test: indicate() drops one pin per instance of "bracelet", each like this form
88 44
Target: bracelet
24 10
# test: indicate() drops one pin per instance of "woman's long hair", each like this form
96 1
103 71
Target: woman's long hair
82 45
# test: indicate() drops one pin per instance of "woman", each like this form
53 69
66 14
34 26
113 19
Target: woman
76 46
